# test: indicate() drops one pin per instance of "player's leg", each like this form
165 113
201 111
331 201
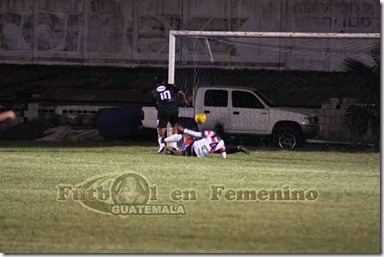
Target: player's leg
162 121
160 138
7 115
186 151
242 149
174 133
174 152
188 145
239 148
173 138
173 118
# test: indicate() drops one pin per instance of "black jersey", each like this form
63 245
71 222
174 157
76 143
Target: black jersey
165 96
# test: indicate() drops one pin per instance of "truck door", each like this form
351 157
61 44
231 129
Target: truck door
247 113
215 107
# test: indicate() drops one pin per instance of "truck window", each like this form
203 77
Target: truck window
216 98
242 99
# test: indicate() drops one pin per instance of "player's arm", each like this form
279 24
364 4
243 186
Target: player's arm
154 101
183 95
7 115
220 147
185 100
189 132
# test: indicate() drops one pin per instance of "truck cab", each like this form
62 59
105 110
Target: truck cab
240 110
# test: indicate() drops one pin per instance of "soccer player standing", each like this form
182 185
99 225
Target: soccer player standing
165 96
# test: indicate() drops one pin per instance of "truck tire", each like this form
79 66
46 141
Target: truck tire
287 138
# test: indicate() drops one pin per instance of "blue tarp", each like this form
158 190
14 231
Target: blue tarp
119 122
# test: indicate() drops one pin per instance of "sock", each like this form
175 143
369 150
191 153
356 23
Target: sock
173 138
160 140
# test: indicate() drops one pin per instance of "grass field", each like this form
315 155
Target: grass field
344 219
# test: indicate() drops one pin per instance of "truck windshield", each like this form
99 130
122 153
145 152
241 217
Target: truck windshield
265 99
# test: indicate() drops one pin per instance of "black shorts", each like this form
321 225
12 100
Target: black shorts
163 117
188 150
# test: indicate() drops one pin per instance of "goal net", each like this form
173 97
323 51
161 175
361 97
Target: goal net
301 70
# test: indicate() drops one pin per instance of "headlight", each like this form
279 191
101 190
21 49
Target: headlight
311 120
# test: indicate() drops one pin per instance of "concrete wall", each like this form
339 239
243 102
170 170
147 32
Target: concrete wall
133 33
331 119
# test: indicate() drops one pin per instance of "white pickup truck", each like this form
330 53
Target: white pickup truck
244 111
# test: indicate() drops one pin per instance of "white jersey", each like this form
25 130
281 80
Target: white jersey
208 144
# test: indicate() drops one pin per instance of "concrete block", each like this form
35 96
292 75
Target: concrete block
333 120
315 111
349 101
326 105
327 112
339 113
32 112
339 121
332 113
335 101
345 105
33 107
30 115
334 128
324 127
334 134
343 128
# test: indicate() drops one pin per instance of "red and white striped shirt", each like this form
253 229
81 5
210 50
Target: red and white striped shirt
209 143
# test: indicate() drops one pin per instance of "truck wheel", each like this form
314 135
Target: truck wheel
287 138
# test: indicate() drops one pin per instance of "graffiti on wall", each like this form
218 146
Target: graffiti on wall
337 16
135 32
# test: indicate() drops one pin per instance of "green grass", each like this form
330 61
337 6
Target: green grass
345 218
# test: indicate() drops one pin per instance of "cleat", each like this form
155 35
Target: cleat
161 149
243 149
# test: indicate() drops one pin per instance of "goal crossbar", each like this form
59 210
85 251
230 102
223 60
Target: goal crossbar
272 34
174 33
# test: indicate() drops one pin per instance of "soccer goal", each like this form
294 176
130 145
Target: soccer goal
269 61
323 73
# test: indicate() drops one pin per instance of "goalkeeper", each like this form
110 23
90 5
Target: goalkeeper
201 144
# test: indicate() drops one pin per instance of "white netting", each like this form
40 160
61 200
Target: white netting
301 72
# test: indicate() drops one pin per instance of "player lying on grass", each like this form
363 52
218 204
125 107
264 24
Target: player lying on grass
201 144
